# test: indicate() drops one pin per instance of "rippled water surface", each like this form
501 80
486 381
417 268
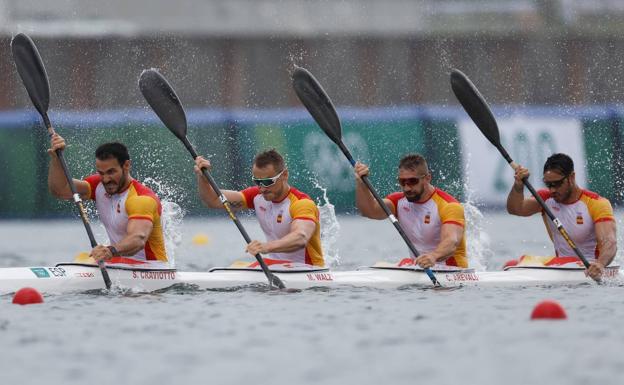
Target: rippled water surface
345 336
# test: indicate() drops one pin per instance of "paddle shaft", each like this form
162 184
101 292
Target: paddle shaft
273 279
391 216
77 201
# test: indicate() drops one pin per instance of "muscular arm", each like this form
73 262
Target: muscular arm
57 182
607 241
518 205
139 231
450 237
211 199
367 204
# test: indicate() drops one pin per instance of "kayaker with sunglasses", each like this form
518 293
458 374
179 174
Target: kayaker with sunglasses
433 219
586 216
288 217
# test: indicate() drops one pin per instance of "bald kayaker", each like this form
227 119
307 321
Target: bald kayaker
586 216
288 217
432 219
129 211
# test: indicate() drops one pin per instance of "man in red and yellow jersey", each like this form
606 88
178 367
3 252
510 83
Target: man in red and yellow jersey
586 216
129 211
432 219
288 217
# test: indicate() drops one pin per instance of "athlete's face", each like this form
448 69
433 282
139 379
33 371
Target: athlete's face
114 176
413 182
559 185
277 189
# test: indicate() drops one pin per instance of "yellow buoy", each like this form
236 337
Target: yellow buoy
201 239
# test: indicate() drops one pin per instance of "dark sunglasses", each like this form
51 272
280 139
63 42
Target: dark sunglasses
410 181
555 183
267 182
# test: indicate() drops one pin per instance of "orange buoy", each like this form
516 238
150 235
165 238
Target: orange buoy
548 310
27 296
510 263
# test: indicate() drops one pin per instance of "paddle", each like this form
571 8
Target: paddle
166 104
30 68
318 104
480 113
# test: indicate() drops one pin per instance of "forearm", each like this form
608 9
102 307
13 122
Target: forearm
207 194
515 200
293 241
446 249
608 249
366 203
57 181
131 244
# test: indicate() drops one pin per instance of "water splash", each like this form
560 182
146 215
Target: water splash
478 246
330 228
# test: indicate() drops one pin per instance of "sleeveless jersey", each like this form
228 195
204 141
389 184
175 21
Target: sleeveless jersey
137 202
579 219
276 217
423 222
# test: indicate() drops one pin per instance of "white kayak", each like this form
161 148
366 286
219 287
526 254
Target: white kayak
76 277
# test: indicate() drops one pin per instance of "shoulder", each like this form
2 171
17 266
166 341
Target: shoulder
544 194
142 190
446 197
395 198
249 194
93 181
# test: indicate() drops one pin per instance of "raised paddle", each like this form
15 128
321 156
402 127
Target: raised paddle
166 104
477 108
318 104
30 68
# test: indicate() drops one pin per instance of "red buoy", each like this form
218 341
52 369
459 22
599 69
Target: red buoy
510 263
27 296
548 310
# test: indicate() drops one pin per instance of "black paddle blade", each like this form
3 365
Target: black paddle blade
475 105
164 101
318 104
30 68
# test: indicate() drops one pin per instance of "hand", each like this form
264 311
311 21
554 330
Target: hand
101 253
595 270
360 170
56 143
519 175
201 162
425 261
256 247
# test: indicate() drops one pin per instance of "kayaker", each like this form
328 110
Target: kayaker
586 216
288 217
129 211
432 219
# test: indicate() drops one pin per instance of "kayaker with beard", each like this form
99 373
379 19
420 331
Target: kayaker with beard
586 216
129 211
432 219
288 217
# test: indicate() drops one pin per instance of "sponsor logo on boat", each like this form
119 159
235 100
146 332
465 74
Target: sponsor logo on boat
84 275
319 277
462 277
137 274
40 272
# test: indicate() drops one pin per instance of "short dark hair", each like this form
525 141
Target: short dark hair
559 162
413 161
113 150
270 157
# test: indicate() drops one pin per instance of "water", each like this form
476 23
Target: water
345 336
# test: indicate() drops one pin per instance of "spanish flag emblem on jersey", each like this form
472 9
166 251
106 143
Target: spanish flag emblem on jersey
279 218
427 219
579 219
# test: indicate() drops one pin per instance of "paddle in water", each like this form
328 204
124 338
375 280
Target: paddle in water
477 108
30 68
166 104
318 104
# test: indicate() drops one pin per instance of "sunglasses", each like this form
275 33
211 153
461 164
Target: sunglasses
267 182
410 181
555 183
